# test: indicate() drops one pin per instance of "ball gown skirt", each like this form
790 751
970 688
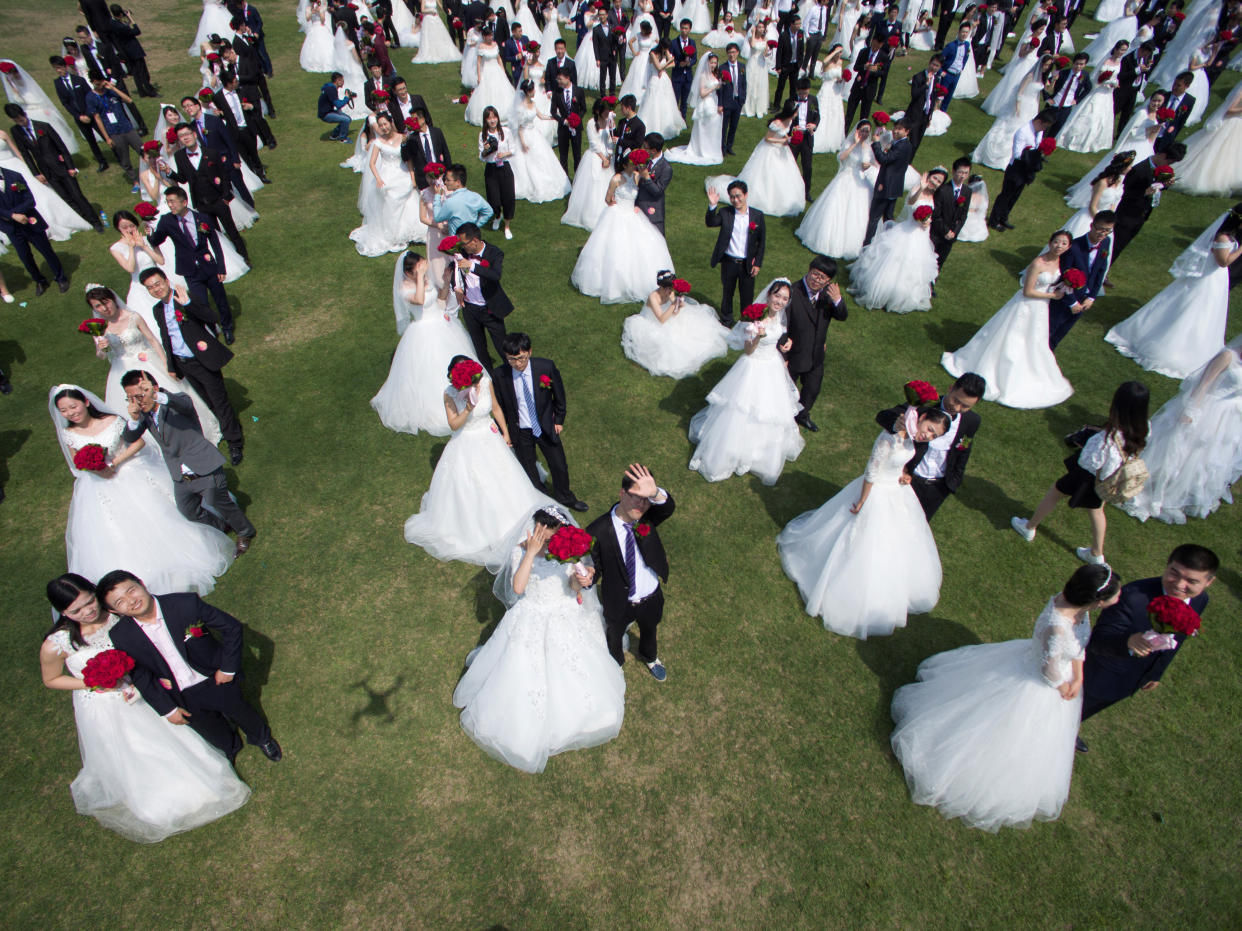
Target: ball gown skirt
758 90
864 573
435 45
619 261
391 219
896 269
412 397
537 174
590 186
493 90
544 682
1181 328
968 80
830 132
1003 96
215 20
774 181
317 52
659 111
62 220
588 67
1132 138
470 65
1212 165
836 224
678 347
996 146
705 138
983 737
748 424
1090 124
638 74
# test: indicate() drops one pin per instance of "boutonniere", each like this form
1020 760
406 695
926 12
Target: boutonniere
754 226
642 529
483 263
41 134
545 382
193 632
203 227
179 316
166 683
17 186
964 444
215 180
961 199
202 345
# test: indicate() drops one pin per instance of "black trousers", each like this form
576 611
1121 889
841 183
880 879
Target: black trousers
647 615
881 209
1011 190
734 276
480 324
1060 321
859 97
918 128
1123 104
142 77
728 128
38 238
498 183
213 491
1127 228
806 165
1060 115
66 185
224 219
943 247
91 134
808 384
942 27
790 74
931 494
209 383
248 148
524 445
215 710
203 286
608 77
565 142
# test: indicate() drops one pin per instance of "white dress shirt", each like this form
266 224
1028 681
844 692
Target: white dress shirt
1024 138
521 382
645 580
474 293
161 638
1063 98
741 230
235 104
931 466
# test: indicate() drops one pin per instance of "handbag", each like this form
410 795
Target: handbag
1126 481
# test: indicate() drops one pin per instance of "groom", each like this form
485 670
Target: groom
630 562
1091 254
814 302
937 468
180 669
1120 662
532 396
476 279
653 181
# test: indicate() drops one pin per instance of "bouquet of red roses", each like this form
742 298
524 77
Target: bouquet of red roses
449 245
145 211
1104 75
941 90
772 43
1177 16
754 312
569 544
1170 615
1164 175
170 135
920 392
881 118
609 99
105 670
681 286
1074 278
1164 114
434 170
1063 61
795 137
847 75
151 145
922 212
90 458
573 121
893 42
638 157
1047 146
93 326
726 77
465 374
206 93
464 99
7 67
1226 35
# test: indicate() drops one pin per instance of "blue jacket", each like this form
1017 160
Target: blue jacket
330 99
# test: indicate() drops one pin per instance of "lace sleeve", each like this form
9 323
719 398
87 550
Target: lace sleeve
881 452
1058 646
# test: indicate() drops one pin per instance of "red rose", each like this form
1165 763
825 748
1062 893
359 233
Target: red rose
457 23
1164 174
449 244
180 317
1178 16
194 631
610 100
726 77
379 95
1172 615
961 199
879 116
205 94
795 137
1164 114
483 263
7 67
1047 146
203 227
941 90
1074 278
772 43
171 135
465 373
847 75
681 286
70 62
922 212
754 312
574 120
1104 75
1062 61
145 211
90 458
463 99
106 669
411 122
920 392
150 145
893 42
619 30
1226 35
754 226
93 326
638 157
532 46
642 529
545 381
212 56
569 544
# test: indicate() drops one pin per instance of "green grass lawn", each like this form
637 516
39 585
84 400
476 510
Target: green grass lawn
755 788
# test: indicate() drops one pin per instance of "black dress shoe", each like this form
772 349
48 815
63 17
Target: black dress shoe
1005 224
235 455
98 227
1081 745
228 335
265 179
103 166
272 750
806 423
63 284
6 386
40 288
578 505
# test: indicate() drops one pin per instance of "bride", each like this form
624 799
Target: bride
479 492
435 45
673 334
705 139
866 559
771 173
537 174
594 172
493 88
658 110
412 397
139 777
618 263
987 732
1011 349
215 20
388 197
544 682
124 515
1211 165
836 224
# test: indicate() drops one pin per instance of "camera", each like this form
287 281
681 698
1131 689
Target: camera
491 145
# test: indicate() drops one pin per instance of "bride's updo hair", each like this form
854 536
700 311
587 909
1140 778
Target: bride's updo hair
63 591
77 395
665 277
546 518
1091 583
100 294
526 86
453 361
935 414
410 262
1065 233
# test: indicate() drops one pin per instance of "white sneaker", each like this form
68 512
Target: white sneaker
496 224
508 234
1084 553
1025 532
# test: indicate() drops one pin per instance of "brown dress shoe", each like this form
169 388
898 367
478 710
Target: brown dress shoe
243 544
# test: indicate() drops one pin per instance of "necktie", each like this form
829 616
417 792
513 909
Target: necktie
189 230
530 404
427 147
198 129
631 560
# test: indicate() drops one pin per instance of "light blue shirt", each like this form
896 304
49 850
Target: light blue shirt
179 348
461 206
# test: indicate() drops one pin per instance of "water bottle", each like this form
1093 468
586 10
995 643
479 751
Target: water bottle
103 218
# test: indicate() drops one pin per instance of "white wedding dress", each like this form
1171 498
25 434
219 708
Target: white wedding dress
390 214
131 520
435 44
659 111
830 132
996 147
836 224
678 347
865 573
896 269
544 682
537 173
215 20
772 177
620 259
1132 138
1004 95
412 397
493 87
985 736
639 72
748 424
1011 352
975 229
141 776
129 350
470 59
317 50
1089 127
479 492
1212 166
21 88
1194 448
705 139
758 89
1080 222
586 199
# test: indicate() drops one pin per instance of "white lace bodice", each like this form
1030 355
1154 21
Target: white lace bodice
129 345
489 54
1057 642
775 127
389 155
645 45
109 438
77 657
1044 280
526 115
833 73
889 454
626 192
549 580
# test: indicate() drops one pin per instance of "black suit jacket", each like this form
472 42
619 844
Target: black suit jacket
630 134
807 326
1110 672
610 560
920 84
216 136
416 102
955 461
1080 90
723 217
1078 256
1135 204
209 183
205 655
551 69
72 90
947 214
601 43
560 112
125 37
1169 130
16 197
195 325
549 401
891 181
791 51
199 257
864 79
731 95
46 154
489 281
232 131
412 152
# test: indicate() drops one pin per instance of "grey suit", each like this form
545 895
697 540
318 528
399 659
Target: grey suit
650 198
176 431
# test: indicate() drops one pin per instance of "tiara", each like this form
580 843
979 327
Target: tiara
1108 579
556 512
